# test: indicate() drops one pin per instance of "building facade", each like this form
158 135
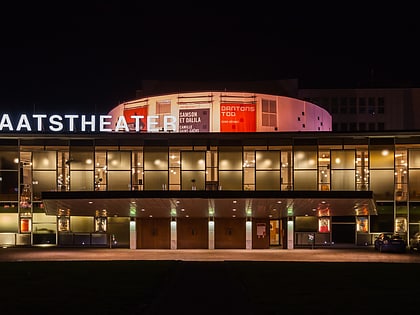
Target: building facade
208 170
368 109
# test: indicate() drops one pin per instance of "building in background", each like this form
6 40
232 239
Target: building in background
368 109
210 168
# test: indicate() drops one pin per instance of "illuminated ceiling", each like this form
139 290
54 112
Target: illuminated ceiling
218 204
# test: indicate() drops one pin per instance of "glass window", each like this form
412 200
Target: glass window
371 106
81 160
342 179
45 160
306 224
155 160
352 105
9 160
384 221
267 180
9 223
362 105
9 185
82 224
305 180
193 180
343 159
81 180
334 105
269 113
119 160
163 108
155 180
414 212
343 105
305 159
414 158
230 160
381 105
193 160
267 160
44 181
414 184
381 158
382 184
119 180
230 180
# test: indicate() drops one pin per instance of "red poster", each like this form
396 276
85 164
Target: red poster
139 111
237 117
25 225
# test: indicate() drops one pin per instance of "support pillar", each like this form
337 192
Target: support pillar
133 234
211 234
173 234
248 233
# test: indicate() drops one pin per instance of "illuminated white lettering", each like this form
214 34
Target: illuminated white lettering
71 119
23 123
103 123
151 123
6 122
39 118
169 123
121 124
137 122
86 122
55 120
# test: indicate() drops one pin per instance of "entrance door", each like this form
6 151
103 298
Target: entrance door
343 233
275 228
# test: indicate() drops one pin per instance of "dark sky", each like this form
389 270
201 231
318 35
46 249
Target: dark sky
62 57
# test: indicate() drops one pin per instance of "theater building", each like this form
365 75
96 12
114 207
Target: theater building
203 170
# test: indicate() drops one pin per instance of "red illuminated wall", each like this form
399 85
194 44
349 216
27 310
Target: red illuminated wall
237 117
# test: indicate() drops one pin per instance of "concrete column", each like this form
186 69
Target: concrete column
211 234
173 235
133 234
248 234
290 233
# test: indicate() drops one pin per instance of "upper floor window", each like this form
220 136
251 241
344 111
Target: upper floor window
362 105
371 106
343 105
163 108
381 105
334 105
269 113
352 105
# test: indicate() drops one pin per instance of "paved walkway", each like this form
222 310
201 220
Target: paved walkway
363 254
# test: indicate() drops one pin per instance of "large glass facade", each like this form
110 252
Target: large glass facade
391 171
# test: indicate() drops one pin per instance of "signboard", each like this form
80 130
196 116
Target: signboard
237 117
194 120
261 230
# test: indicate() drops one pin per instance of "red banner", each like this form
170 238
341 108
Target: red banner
237 117
139 111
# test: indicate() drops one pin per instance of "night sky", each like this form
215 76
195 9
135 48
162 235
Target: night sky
62 57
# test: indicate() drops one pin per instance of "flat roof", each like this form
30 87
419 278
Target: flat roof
217 203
